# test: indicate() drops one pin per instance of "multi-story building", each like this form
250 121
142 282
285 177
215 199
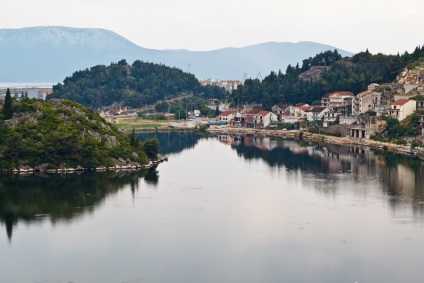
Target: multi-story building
339 101
365 101
402 108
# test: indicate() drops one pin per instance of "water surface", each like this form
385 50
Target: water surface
223 209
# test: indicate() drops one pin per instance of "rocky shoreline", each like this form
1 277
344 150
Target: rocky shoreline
63 169
345 141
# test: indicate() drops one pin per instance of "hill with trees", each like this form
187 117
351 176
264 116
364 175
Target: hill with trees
64 134
335 74
132 85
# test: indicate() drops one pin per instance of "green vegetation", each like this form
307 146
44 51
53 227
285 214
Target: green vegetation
344 74
8 107
64 133
132 85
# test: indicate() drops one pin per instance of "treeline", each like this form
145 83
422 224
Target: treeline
350 74
131 85
64 132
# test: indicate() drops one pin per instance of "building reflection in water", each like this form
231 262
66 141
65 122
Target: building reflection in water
399 178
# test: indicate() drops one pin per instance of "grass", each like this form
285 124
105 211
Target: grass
126 125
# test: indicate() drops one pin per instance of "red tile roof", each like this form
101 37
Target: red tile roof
228 112
303 108
301 104
263 113
366 92
254 111
400 102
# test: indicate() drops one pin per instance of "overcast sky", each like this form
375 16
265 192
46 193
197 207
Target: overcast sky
385 26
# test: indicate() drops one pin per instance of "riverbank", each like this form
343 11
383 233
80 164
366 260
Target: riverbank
63 169
345 141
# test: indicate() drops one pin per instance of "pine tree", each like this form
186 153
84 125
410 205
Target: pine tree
8 107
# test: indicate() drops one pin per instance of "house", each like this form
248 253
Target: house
263 118
279 109
402 108
365 101
315 113
339 101
226 116
196 113
330 118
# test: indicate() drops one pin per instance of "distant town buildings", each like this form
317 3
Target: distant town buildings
228 85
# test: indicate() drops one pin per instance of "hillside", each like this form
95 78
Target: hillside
324 73
49 54
61 133
130 85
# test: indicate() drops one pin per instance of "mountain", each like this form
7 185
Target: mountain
49 54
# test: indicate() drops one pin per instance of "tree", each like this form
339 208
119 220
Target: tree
217 111
8 106
151 148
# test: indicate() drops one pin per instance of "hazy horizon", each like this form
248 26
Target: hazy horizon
380 26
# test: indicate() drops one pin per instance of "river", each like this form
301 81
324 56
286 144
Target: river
224 208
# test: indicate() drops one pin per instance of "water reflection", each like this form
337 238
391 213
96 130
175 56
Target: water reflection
400 177
173 142
61 198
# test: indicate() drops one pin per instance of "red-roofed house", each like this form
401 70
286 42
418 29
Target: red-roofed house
226 116
402 108
338 101
263 118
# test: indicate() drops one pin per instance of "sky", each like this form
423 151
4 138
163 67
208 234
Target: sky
382 26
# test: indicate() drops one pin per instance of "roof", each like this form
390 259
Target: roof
286 113
254 111
282 105
366 92
326 96
401 102
304 108
301 104
263 113
228 112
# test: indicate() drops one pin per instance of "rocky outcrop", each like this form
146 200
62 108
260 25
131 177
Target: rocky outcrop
314 73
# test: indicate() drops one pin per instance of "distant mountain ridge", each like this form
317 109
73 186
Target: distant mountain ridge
38 54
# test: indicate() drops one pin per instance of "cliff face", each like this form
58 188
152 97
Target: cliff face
61 133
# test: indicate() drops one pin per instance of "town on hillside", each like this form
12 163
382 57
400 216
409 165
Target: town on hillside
343 113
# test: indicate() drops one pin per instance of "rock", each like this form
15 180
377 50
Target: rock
111 141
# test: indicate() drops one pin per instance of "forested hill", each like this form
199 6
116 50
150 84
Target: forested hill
62 133
324 73
131 85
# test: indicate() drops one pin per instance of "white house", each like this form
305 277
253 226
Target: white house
402 108
316 113
263 118
196 113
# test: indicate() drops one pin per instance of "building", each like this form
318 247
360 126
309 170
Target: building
339 101
279 109
196 113
365 101
226 116
263 118
402 108
315 113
